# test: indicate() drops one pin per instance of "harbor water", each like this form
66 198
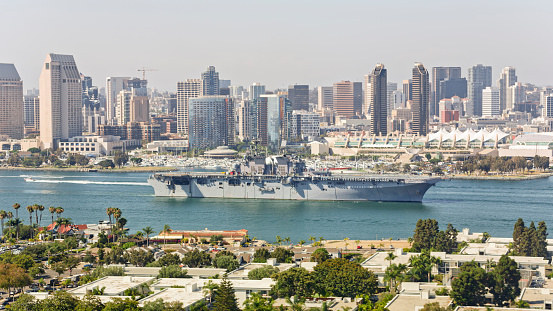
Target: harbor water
481 205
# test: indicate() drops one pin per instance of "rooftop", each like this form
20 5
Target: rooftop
412 302
183 295
114 285
8 72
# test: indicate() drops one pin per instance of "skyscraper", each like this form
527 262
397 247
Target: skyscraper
407 89
440 74
32 113
60 100
273 120
114 85
506 79
479 78
517 94
491 102
420 100
11 102
453 87
325 97
378 103
548 107
132 102
210 82
190 88
390 98
347 98
211 121
299 96
256 90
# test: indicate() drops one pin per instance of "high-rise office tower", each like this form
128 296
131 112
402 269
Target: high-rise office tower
506 79
491 105
211 121
420 100
114 85
439 74
32 113
60 100
548 107
299 96
133 104
479 78
274 113
453 87
247 116
407 89
347 98
390 98
190 88
11 102
210 82
256 90
325 97
378 103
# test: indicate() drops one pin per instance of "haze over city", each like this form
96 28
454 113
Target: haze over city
277 43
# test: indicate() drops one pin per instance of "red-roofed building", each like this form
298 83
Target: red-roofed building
229 236
66 229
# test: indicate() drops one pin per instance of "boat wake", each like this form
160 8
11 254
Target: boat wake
88 182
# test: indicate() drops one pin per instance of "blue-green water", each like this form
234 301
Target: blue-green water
491 206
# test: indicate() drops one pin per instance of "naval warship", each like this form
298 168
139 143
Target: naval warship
286 178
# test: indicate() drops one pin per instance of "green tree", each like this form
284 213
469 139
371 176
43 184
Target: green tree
89 303
148 231
225 300
343 278
320 255
518 232
503 281
261 255
282 255
434 306
120 158
169 259
173 271
107 163
256 302
118 304
296 282
59 301
139 258
196 259
469 288
263 272
226 262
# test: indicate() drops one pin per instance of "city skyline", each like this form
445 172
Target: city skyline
309 26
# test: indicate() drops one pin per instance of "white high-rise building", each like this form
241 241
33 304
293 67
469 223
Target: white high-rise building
490 102
114 85
60 100
11 102
518 94
391 89
305 123
32 113
256 90
190 88
548 108
506 79
236 91
325 98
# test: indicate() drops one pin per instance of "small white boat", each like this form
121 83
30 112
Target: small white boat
29 179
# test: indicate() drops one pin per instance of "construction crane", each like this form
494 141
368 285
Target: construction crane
144 72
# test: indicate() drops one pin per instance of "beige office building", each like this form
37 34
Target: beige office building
190 88
60 100
11 102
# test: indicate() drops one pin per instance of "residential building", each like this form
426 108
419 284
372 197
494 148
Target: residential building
491 102
114 85
60 100
299 96
11 102
391 90
517 95
211 121
407 89
325 98
378 100
420 100
210 82
236 91
273 120
479 78
305 123
506 79
190 88
132 130
247 116
453 87
133 104
347 98
448 116
98 145
31 116
440 74
548 109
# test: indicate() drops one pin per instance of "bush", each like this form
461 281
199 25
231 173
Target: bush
263 272
101 272
172 271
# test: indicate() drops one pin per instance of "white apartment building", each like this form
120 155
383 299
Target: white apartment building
256 90
190 88
11 102
490 102
97 145
325 98
114 85
60 100
305 123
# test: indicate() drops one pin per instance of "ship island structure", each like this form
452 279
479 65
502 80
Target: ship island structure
286 178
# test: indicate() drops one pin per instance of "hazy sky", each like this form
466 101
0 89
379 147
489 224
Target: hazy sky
277 43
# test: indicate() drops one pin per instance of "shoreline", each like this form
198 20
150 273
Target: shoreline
141 169
501 177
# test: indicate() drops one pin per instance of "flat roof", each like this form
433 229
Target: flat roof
243 271
411 302
537 296
175 295
263 284
114 285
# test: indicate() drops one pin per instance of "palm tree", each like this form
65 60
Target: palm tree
9 216
116 215
3 215
301 242
209 288
410 241
346 242
52 210
59 211
278 240
390 257
16 206
287 239
312 239
40 208
166 230
357 242
35 208
30 209
63 222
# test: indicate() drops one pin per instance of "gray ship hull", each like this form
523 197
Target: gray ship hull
291 188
